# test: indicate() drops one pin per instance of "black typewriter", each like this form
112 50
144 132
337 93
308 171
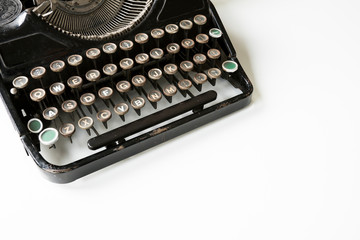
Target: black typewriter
88 83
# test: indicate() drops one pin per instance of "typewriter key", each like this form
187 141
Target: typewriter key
215 33
157 54
126 64
104 116
184 86
142 39
35 125
138 103
186 25
200 60
169 91
87 123
126 46
155 74
170 70
50 114
154 97
202 39
70 106
230 66
75 61
199 79
109 49
186 67
93 54
121 109
139 81
110 70
88 100
67 130
48 137
105 94
213 54
157 34
38 95
200 20
213 74
93 76
38 73
57 89
172 29
20 83
173 49
123 87
142 59
57 67
75 83
188 44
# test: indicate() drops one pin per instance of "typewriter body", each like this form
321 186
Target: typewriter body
90 83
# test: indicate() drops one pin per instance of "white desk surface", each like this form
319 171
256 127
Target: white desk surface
286 167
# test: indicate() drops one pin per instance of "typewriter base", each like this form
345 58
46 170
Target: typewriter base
71 172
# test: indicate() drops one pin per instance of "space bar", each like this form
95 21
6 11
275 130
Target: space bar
119 134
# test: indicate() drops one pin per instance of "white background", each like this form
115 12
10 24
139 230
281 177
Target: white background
286 167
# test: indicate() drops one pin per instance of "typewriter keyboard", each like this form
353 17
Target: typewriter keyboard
78 105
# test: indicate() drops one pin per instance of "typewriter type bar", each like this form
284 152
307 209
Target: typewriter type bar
101 96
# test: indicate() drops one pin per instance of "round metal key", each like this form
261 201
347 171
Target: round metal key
126 63
142 58
93 53
9 11
38 72
20 82
87 99
202 38
75 60
200 20
123 86
121 109
86 123
110 69
156 53
186 24
103 116
57 88
69 106
109 48
50 113
57 66
186 66
185 84
170 69
74 82
155 74
93 75
138 103
67 129
199 58
126 45
200 78
141 38
188 43
157 33
214 54
214 73
38 94
138 80
105 93
173 48
154 96
170 90
172 28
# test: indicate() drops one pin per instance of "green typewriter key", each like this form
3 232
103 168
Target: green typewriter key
104 116
35 125
75 83
188 44
186 67
138 103
213 54
186 25
126 46
57 67
139 82
38 73
67 130
123 87
38 95
93 54
199 59
110 49
93 76
142 59
70 106
169 91
110 70
142 39
229 67
200 21
170 71
154 97
127 64
199 79
87 123
48 137
121 109
173 49
75 61
172 30
155 75
105 94
213 74
157 34
88 100
184 85
215 33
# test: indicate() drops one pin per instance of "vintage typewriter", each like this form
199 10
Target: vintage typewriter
88 83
